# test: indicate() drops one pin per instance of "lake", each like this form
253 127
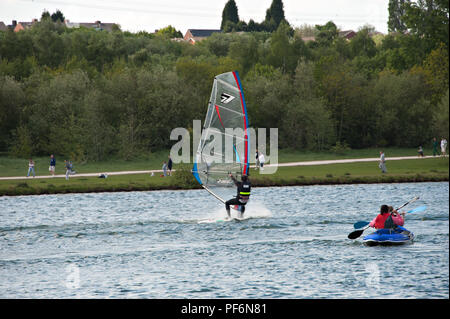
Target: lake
173 244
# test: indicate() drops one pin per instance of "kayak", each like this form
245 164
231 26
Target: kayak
396 236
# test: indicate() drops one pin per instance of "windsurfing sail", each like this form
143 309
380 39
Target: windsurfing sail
224 146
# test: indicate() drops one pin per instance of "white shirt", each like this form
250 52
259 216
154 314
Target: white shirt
261 158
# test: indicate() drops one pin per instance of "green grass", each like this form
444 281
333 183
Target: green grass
19 167
10 166
403 170
417 170
136 182
285 156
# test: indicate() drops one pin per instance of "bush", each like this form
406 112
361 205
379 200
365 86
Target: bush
183 177
340 148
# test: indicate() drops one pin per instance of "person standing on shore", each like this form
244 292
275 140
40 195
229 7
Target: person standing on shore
382 164
30 167
169 166
443 146
52 165
435 147
420 151
262 160
164 168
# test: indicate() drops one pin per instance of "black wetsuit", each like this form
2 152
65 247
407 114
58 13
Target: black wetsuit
242 197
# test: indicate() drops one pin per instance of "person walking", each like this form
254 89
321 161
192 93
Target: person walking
257 160
382 164
164 168
30 167
443 146
68 167
52 165
262 160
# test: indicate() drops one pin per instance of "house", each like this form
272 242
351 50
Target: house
97 25
23 25
195 35
347 34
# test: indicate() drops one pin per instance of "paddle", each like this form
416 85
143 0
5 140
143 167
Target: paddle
362 224
355 234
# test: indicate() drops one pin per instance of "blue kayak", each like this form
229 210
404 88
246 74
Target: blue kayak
396 236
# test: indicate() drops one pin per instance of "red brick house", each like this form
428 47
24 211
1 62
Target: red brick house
195 35
24 25
347 34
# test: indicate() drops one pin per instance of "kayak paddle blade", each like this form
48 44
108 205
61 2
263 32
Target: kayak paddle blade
360 224
417 209
355 234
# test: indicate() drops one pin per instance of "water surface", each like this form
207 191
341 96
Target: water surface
169 244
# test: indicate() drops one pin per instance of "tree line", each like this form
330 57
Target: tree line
93 95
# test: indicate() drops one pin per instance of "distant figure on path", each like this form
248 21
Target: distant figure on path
52 165
257 159
435 146
68 166
420 151
262 160
169 166
30 167
443 146
164 168
382 164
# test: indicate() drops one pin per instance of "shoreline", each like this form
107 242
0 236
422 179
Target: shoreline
29 191
306 173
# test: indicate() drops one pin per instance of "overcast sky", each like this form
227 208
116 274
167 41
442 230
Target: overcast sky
148 15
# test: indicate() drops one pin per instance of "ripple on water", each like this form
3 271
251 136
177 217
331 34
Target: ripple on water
293 244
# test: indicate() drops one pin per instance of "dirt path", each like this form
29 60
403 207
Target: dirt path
307 163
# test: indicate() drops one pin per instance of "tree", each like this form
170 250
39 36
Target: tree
396 15
58 16
436 69
45 15
326 33
229 14
440 118
169 32
362 44
282 52
428 19
12 99
275 14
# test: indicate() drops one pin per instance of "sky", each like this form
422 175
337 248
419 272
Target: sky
149 15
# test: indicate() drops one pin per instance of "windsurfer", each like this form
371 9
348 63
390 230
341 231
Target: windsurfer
243 194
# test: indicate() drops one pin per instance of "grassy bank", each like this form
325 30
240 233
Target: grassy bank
10 166
418 170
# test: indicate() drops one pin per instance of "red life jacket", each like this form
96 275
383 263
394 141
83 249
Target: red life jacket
380 220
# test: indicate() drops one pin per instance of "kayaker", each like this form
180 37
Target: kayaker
386 220
397 218
380 219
